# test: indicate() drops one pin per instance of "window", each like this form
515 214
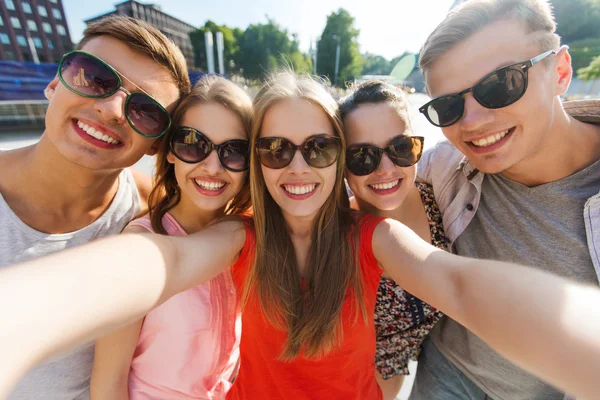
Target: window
56 13
50 44
21 40
26 8
9 55
42 11
54 1
61 30
31 25
4 39
38 43
47 27
15 22
9 4
1 21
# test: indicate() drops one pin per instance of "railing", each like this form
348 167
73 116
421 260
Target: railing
22 113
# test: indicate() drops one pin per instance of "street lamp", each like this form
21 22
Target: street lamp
337 59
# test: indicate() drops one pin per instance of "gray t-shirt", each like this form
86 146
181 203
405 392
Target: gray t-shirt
541 226
67 376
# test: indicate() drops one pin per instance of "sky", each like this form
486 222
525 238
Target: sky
387 27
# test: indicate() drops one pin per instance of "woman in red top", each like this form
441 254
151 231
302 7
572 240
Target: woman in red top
307 271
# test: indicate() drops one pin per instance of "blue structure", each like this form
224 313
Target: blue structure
24 80
27 80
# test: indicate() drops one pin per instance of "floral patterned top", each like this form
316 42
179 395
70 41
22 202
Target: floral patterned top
402 321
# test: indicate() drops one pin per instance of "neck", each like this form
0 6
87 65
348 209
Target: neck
58 184
300 227
569 146
405 213
191 218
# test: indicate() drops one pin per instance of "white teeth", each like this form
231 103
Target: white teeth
96 134
209 185
304 189
490 140
384 186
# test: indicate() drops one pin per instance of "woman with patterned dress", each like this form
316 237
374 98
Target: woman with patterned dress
381 169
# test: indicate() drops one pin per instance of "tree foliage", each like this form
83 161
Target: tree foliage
230 46
264 47
577 19
339 28
253 52
376 65
578 24
590 72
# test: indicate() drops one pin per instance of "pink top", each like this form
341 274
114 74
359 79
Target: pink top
188 346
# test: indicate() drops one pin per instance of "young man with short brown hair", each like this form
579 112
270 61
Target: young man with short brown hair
108 105
518 179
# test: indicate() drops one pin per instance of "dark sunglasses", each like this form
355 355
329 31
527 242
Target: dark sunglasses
192 146
498 89
404 151
319 151
88 76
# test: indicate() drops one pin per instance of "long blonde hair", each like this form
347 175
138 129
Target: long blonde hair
311 316
166 193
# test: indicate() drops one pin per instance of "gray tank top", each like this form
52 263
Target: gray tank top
67 376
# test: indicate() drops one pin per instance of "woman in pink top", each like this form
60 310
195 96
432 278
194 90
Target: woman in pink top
187 348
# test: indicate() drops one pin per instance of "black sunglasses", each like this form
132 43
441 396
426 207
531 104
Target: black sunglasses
88 76
404 151
192 146
498 89
319 151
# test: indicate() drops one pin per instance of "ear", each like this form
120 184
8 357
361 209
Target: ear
49 91
170 158
564 70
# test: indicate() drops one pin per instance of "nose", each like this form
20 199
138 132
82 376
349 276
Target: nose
211 165
112 108
475 116
386 166
298 165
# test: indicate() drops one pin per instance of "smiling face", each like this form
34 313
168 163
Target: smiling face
497 140
72 121
207 185
298 189
377 124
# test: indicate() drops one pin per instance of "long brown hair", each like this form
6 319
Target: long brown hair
311 316
166 193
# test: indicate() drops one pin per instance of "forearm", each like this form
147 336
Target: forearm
75 296
72 297
390 387
544 323
112 363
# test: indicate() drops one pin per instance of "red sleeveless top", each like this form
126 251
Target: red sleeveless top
345 373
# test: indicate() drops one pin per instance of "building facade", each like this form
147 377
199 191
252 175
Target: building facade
33 30
175 29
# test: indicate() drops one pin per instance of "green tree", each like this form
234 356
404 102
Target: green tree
590 72
376 65
265 47
577 19
578 24
340 29
230 46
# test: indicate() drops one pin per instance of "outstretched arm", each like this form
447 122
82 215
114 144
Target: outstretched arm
75 296
543 323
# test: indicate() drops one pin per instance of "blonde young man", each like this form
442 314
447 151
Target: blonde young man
109 103
518 179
